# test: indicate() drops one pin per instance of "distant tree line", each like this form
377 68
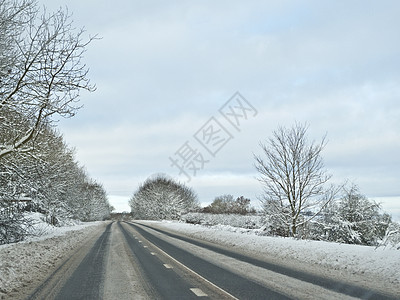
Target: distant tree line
41 76
227 204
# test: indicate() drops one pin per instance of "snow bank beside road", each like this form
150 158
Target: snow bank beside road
25 263
379 263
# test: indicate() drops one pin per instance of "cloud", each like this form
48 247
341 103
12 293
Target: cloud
120 203
390 205
164 68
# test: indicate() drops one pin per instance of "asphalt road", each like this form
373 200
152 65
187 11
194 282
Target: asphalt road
138 261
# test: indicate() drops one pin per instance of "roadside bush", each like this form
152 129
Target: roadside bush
392 236
352 219
234 220
14 227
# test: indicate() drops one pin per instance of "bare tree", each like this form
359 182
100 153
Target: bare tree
221 205
41 69
294 179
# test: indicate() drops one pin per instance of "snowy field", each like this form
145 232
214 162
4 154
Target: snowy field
382 263
22 263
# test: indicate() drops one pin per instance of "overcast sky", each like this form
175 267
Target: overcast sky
166 70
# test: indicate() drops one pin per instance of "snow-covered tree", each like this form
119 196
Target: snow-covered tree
392 236
160 197
41 77
93 203
41 70
294 179
53 179
64 187
226 204
221 205
355 219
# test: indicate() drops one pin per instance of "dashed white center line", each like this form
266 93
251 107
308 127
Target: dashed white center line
167 266
198 292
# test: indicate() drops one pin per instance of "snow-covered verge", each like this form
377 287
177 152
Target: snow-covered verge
235 220
23 262
382 263
340 232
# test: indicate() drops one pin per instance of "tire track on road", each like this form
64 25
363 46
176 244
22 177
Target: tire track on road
236 285
165 282
330 284
86 279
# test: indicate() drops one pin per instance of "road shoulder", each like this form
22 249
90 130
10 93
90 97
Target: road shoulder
24 266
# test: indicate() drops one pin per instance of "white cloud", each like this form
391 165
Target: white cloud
164 68
390 205
120 203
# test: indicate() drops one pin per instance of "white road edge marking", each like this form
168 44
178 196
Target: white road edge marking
198 292
167 266
190 270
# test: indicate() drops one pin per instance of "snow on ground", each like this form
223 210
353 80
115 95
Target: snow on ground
380 263
24 262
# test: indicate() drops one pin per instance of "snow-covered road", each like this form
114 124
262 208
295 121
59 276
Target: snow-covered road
361 266
25 266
